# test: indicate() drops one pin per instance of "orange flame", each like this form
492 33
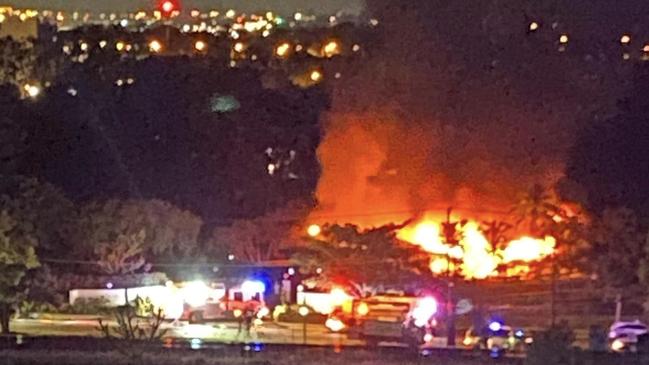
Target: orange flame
478 260
528 249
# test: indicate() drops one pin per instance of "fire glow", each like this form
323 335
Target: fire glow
474 256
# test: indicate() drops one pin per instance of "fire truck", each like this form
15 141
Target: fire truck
393 318
206 303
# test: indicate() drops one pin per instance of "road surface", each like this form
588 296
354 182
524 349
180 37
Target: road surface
227 332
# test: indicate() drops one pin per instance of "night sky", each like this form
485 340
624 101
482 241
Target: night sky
282 6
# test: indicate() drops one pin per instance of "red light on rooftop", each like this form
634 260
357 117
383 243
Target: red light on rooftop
167 7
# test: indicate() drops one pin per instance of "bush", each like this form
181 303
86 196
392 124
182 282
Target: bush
88 306
28 308
552 347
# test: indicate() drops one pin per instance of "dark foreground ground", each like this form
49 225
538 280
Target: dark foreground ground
98 351
285 357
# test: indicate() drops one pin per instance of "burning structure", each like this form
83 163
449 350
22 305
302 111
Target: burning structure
440 118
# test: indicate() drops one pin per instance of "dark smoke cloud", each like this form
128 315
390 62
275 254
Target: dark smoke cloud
461 105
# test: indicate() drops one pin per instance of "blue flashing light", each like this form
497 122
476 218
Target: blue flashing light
495 353
495 326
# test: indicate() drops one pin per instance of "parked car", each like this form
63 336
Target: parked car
624 336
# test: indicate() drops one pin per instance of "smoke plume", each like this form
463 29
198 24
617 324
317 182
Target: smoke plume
458 104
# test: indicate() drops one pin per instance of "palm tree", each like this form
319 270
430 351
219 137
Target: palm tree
496 233
537 207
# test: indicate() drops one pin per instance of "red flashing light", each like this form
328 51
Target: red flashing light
169 6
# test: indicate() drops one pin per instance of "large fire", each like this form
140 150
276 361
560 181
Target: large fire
474 257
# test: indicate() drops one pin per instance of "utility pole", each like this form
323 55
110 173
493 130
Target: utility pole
618 307
450 233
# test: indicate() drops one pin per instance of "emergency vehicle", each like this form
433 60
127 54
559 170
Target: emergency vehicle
394 318
208 303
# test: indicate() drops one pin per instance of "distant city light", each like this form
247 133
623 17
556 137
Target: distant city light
282 49
330 49
119 46
314 230
109 285
297 16
646 48
298 48
239 47
563 39
32 90
315 76
102 44
374 22
291 271
195 13
230 257
534 26
356 48
123 23
332 19
200 46
626 39
155 46
265 33
83 46
230 13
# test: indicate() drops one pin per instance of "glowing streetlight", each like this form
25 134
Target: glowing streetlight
119 46
314 230
238 47
155 46
534 26
200 46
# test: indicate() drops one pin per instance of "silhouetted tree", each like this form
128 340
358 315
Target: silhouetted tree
362 259
17 256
